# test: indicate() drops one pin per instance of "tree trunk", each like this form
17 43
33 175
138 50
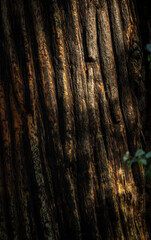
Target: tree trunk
71 96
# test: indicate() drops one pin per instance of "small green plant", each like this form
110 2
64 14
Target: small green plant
141 158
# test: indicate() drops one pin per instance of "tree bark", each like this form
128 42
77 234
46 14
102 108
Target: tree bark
71 92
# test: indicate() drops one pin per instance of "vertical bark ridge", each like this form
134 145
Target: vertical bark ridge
133 52
85 178
32 116
51 106
17 124
91 32
127 104
88 29
129 112
22 189
33 120
18 85
134 58
111 202
6 161
108 62
65 103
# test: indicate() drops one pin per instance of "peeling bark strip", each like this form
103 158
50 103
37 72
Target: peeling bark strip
68 113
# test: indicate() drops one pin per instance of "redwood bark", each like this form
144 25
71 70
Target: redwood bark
69 110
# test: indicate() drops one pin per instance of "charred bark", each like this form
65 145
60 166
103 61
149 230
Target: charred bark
69 110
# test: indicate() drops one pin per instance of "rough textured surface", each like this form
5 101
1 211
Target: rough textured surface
69 110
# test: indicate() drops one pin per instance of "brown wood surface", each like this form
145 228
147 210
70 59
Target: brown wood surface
69 110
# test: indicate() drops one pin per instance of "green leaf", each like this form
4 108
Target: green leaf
142 161
148 155
139 153
129 163
125 158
